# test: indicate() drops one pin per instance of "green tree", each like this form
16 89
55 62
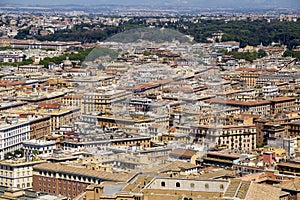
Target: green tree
9 155
18 153
294 54
35 152
261 53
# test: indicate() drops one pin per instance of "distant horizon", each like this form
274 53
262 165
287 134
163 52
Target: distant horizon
236 4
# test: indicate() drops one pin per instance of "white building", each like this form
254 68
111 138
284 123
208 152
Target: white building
41 146
13 132
270 90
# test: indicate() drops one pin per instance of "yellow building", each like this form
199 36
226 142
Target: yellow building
178 137
278 151
102 101
17 173
250 78
74 100
60 116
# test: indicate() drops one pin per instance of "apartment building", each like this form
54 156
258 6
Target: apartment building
92 82
39 126
232 137
261 107
137 141
282 104
141 104
13 132
118 121
73 100
30 68
41 146
11 56
293 128
278 78
250 78
102 101
17 173
69 181
59 115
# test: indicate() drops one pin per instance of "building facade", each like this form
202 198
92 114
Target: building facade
239 138
67 180
12 133
17 174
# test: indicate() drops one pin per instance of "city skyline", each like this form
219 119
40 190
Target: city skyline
178 3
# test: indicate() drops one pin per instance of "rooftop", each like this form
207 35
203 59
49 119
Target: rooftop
38 142
176 166
20 162
294 186
280 99
238 103
59 168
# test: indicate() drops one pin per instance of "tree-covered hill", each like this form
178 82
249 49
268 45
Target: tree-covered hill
245 31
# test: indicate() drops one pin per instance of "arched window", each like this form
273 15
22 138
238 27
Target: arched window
163 184
177 184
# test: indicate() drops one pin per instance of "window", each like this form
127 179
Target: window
177 184
163 184
221 186
206 186
192 185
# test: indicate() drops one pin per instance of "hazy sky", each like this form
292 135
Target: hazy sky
199 3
